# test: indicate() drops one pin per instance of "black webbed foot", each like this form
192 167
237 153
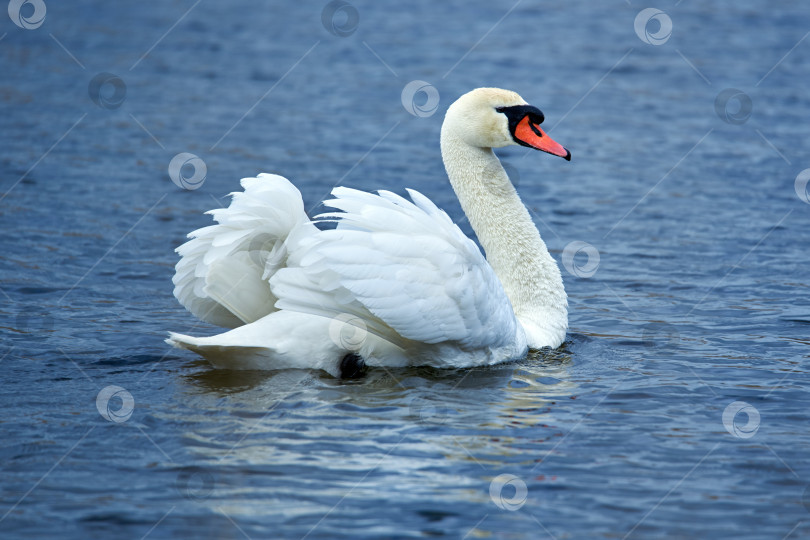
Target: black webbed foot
352 366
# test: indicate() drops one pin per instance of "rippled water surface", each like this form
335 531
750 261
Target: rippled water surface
677 408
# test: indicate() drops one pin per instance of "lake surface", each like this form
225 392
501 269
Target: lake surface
678 406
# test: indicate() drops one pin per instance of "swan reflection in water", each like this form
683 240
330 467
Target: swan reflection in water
294 416
413 434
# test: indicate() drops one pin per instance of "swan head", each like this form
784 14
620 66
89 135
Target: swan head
494 118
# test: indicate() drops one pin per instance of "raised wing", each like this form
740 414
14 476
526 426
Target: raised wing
403 267
222 276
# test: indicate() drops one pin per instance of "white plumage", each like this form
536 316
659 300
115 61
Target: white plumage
396 282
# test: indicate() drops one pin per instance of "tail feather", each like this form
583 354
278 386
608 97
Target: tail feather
280 340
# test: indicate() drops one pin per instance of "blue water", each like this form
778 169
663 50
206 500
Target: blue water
698 306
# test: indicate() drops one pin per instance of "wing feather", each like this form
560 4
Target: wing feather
223 269
403 267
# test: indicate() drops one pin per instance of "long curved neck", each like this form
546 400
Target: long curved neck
514 249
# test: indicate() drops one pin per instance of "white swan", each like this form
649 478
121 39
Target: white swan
396 283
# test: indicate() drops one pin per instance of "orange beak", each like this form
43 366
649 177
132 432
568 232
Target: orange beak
533 135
